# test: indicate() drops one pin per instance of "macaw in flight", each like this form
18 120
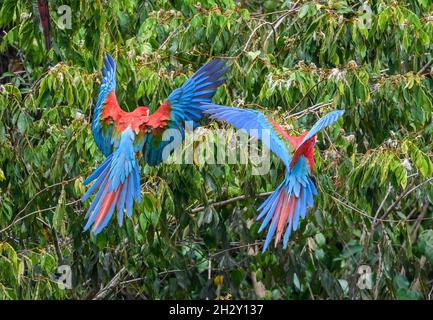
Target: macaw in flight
284 207
123 137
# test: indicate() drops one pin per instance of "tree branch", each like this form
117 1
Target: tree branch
15 220
111 285
33 213
425 67
224 202
402 196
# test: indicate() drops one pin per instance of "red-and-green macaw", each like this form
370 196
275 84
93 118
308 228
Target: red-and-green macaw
123 137
284 207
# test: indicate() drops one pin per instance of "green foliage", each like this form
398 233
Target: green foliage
374 169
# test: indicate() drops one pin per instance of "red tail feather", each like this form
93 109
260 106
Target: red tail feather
106 204
287 210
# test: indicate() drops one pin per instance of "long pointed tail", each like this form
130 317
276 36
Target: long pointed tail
117 180
284 207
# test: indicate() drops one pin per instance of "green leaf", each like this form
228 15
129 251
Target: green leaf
320 239
253 54
259 275
22 123
237 276
425 244
304 10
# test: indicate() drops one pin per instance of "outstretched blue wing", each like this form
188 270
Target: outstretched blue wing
323 122
198 89
319 125
253 123
102 131
183 105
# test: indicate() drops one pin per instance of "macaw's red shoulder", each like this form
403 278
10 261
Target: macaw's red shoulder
111 110
160 118
279 129
294 141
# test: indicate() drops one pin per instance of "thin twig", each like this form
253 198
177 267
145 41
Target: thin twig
235 248
404 195
365 214
307 93
252 34
171 35
424 68
280 20
115 281
37 194
311 109
224 202
382 203
33 213
111 285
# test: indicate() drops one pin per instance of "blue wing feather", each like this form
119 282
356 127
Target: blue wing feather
246 120
185 105
323 122
102 132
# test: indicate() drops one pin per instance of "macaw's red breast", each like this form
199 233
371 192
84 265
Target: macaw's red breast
134 119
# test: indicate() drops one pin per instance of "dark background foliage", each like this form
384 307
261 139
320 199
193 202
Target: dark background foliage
292 60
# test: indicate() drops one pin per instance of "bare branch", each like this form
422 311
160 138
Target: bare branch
111 285
16 221
425 67
224 202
